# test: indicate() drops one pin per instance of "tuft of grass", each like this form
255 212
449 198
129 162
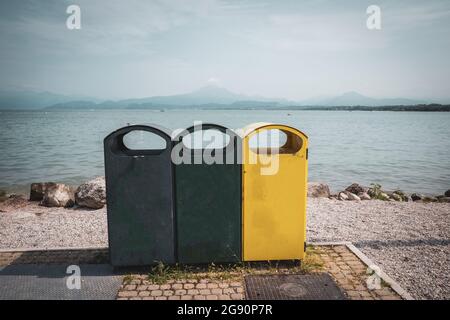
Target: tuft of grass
312 261
127 279
161 273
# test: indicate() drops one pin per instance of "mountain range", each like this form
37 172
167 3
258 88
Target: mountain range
206 97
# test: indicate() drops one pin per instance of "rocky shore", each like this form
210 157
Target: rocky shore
407 236
92 195
356 192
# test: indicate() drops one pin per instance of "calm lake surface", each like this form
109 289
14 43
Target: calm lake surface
399 150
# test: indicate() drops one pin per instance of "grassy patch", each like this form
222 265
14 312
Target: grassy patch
127 279
162 273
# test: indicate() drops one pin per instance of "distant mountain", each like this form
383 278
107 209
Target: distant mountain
205 95
29 100
356 99
209 97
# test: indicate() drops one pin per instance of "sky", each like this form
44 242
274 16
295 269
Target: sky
281 49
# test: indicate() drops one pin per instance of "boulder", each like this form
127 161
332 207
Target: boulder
364 196
356 188
416 197
38 189
430 199
91 194
318 190
447 193
401 194
342 196
444 199
396 197
58 195
352 196
383 196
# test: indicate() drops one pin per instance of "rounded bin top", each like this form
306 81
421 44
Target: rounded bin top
114 141
156 129
257 126
204 127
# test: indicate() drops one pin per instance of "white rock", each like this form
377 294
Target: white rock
352 196
364 196
342 196
58 195
318 190
91 194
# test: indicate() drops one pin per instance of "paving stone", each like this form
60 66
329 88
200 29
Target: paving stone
177 286
130 287
156 293
216 291
193 291
165 287
224 297
153 287
189 286
161 298
127 294
212 285
148 298
168 293
360 287
141 287
199 297
144 293
201 286
212 297
228 290
187 297
223 285
180 292
353 294
174 298
236 296
205 291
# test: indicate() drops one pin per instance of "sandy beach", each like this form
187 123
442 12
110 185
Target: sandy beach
408 240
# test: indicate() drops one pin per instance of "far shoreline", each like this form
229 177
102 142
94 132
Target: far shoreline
163 108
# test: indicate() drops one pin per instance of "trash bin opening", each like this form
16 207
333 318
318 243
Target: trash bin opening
143 140
275 141
206 139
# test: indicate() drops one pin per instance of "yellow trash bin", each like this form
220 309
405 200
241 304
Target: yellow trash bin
274 184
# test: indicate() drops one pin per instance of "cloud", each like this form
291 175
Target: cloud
213 81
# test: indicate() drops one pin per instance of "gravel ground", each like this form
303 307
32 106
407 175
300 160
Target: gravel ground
35 226
409 241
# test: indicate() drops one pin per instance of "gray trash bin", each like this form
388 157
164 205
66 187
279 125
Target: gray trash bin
140 200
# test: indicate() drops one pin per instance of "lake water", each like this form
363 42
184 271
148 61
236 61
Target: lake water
399 150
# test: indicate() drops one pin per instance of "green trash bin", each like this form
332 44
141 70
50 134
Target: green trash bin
140 199
208 198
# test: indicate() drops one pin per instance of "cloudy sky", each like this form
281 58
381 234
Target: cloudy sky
291 49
